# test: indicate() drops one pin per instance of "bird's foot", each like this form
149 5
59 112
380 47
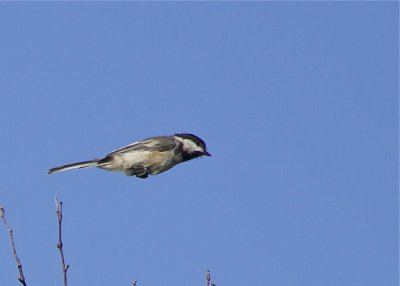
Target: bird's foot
140 172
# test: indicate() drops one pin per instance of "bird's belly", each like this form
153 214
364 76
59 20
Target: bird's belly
153 162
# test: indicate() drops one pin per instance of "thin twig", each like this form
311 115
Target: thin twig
21 277
60 243
208 278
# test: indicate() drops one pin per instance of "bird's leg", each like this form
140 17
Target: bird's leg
140 172
142 176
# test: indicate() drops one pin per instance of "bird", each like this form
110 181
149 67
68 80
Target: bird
150 156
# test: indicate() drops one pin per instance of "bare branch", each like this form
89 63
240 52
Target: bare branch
208 278
60 243
21 277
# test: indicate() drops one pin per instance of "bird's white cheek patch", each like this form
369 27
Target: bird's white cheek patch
190 146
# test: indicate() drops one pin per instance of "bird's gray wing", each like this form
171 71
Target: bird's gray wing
160 144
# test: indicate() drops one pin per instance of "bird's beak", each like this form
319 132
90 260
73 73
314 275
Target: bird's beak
205 153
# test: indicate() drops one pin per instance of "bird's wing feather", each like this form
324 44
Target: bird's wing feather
159 144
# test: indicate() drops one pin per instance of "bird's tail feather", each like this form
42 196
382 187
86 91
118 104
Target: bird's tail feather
79 165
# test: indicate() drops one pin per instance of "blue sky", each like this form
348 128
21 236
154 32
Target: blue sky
297 101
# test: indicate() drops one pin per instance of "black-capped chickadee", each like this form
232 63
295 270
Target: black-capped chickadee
150 156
